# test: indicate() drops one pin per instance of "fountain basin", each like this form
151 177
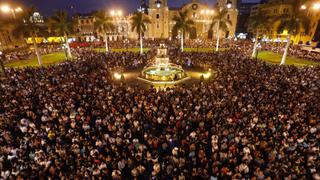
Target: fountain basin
171 74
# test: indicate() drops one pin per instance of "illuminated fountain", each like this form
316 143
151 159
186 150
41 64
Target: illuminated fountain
161 71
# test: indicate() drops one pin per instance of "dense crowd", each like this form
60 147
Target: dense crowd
294 50
72 121
28 52
245 46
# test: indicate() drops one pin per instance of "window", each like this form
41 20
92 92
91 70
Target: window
275 11
158 26
228 16
158 16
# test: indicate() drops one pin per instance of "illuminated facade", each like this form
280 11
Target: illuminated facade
85 31
161 19
274 8
84 28
161 22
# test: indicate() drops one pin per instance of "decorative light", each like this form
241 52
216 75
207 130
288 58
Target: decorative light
229 4
158 3
316 6
120 13
18 9
303 7
116 12
117 75
112 12
202 11
207 75
5 8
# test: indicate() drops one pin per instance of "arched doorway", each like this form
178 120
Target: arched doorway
193 33
210 34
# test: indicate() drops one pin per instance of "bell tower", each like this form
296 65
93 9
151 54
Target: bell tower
232 15
230 4
158 3
159 16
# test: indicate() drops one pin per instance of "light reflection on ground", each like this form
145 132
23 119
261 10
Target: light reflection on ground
131 78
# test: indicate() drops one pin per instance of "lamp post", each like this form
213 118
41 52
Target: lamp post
309 7
198 43
258 48
315 6
7 9
126 43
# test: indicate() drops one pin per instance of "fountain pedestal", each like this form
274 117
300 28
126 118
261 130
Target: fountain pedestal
161 71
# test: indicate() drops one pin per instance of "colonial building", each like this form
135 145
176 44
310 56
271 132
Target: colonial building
161 19
275 8
161 25
85 31
8 40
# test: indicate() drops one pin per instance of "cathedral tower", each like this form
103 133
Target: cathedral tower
232 15
159 16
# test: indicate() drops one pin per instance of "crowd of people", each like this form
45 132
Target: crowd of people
28 52
294 50
71 121
246 46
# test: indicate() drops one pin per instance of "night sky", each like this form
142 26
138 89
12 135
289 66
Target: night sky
46 7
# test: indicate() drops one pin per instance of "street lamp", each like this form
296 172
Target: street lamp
126 42
198 43
116 13
112 13
119 13
7 9
316 6
303 7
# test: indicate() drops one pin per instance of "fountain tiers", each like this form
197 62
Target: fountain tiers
161 71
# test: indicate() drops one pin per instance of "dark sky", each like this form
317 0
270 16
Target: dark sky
84 6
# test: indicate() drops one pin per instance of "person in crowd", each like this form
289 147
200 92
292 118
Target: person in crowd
71 121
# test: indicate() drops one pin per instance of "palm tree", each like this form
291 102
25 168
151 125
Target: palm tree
221 21
60 24
2 55
28 27
293 22
103 24
139 23
182 23
258 22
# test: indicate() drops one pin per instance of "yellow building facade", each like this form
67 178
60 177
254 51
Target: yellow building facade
162 24
161 17
276 8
